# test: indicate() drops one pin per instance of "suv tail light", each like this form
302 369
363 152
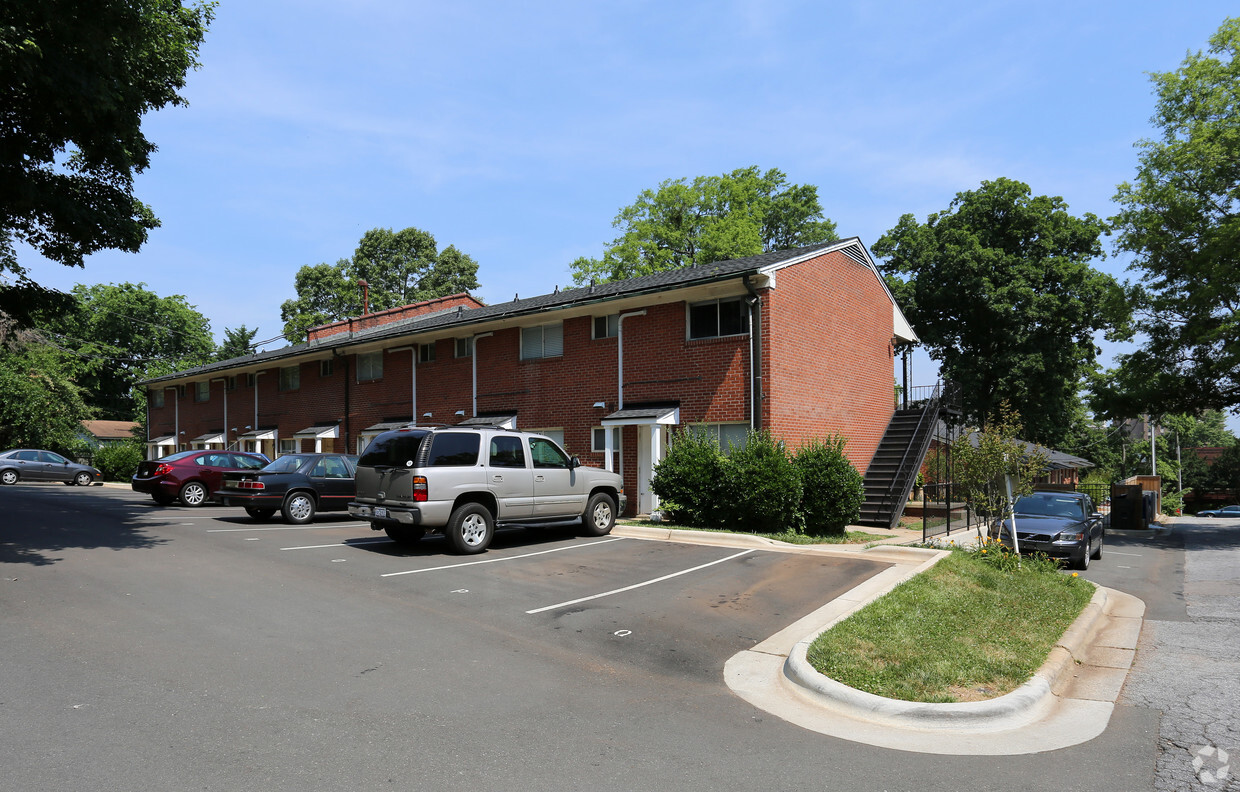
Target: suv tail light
419 489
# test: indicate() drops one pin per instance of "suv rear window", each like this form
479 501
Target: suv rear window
398 449
454 449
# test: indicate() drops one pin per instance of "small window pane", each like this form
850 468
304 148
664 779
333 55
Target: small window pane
202 391
704 320
733 318
426 353
598 439
607 326
157 398
325 368
464 347
454 449
369 366
732 436
290 378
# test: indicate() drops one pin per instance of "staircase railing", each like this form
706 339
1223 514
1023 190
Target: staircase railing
903 478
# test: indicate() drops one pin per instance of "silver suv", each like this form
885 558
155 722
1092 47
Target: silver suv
463 481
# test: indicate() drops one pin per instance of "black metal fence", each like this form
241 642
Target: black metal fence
943 515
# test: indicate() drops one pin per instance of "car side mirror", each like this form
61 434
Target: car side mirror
574 462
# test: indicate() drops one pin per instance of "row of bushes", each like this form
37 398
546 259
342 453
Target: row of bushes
758 486
118 461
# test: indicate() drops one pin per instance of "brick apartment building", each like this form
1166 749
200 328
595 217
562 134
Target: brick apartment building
799 342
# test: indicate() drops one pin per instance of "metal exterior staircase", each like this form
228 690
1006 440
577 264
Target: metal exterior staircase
892 472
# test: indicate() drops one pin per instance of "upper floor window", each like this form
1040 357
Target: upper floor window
426 353
325 367
290 378
230 383
202 391
718 318
369 366
465 347
607 326
157 398
543 341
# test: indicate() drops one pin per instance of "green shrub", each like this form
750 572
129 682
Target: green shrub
690 479
118 462
832 487
763 487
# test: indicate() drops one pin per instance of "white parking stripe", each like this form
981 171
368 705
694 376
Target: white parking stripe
309 527
638 585
1134 555
340 544
506 558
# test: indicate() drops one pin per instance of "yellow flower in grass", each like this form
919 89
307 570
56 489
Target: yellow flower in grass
1075 575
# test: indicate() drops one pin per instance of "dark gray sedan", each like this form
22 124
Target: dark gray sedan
32 464
1059 524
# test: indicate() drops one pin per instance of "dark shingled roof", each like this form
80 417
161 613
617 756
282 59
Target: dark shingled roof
680 278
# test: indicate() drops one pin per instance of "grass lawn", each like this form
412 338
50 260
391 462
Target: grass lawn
964 630
849 537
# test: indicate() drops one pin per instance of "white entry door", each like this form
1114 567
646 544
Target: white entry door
651 448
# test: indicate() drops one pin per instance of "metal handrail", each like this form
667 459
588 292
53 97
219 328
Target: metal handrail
932 407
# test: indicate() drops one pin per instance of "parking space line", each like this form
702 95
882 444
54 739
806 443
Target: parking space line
506 558
1134 555
309 527
340 544
639 585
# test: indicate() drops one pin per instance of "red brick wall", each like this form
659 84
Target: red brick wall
828 359
827 367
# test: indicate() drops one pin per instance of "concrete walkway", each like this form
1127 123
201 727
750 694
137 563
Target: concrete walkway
1068 701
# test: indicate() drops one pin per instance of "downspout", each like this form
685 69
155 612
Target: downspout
474 360
755 356
225 381
347 434
620 355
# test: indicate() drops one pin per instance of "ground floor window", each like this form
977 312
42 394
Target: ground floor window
288 446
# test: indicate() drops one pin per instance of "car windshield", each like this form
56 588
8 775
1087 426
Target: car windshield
1047 505
286 464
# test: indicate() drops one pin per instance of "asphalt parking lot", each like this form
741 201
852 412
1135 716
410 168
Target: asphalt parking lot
175 648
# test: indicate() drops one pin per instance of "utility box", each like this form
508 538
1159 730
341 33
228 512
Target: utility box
1128 507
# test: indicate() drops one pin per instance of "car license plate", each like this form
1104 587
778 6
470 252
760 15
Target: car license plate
380 512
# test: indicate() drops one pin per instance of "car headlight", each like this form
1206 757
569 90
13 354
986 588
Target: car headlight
1070 536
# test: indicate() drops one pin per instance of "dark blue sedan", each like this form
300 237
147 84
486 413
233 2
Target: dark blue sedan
1059 524
299 485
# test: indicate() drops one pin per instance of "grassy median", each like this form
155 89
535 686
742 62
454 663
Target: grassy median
975 626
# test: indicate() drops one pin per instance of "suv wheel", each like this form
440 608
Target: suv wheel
600 515
298 508
470 529
193 493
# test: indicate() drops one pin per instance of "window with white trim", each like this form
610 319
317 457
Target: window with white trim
202 391
598 439
729 436
606 326
157 398
369 366
715 318
288 445
465 347
426 353
542 341
325 367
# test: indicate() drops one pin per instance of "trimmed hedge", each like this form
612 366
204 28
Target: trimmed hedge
758 487
119 461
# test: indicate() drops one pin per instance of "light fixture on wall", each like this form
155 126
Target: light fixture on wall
426 415
460 412
601 405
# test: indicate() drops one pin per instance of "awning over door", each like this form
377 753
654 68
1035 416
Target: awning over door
504 421
319 432
209 437
644 416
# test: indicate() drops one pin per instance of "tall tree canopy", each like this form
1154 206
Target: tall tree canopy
1001 292
121 334
40 404
1181 221
712 218
238 342
401 267
76 80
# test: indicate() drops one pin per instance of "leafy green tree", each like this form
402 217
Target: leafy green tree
77 80
238 342
121 334
1180 218
1000 289
990 461
400 268
40 404
712 218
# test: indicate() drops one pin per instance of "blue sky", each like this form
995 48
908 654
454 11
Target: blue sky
516 131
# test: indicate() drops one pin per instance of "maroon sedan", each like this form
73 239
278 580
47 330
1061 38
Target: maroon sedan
191 476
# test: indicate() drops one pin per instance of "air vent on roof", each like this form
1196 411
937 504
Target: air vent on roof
856 254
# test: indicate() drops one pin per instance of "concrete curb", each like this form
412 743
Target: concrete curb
1021 707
